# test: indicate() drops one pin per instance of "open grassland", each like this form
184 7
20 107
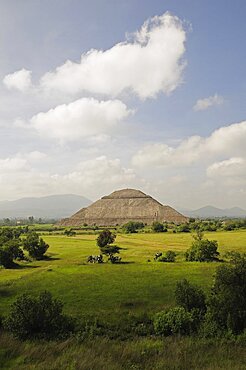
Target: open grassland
116 293
106 290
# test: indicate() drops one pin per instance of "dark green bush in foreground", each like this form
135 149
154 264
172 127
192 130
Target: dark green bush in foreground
42 317
174 321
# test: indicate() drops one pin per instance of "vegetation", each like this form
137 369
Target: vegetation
168 257
174 321
202 250
35 246
42 317
132 227
115 302
157 227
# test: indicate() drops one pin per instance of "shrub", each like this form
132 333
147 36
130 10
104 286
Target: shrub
227 302
132 227
42 318
157 227
203 251
190 296
169 257
69 232
175 321
35 246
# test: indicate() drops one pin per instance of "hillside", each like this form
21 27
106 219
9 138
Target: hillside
53 206
210 211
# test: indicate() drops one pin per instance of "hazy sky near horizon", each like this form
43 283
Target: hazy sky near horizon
105 94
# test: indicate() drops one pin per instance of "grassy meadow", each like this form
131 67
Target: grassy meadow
112 293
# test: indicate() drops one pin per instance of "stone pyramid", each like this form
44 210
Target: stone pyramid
122 206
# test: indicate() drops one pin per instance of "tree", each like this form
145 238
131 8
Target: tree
35 246
106 237
40 318
10 247
227 302
190 296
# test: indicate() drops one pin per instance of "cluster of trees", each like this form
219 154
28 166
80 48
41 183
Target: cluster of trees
222 311
12 246
132 227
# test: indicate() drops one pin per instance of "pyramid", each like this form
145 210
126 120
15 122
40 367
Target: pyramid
122 206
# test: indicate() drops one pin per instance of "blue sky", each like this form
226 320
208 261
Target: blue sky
181 141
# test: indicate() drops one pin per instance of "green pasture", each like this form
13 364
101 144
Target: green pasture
106 291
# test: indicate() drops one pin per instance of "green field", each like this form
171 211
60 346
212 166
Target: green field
114 292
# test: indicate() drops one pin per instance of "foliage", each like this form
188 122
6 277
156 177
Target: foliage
132 227
40 317
69 232
190 296
157 227
10 249
174 321
169 257
227 303
35 245
184 228
203 251
105 237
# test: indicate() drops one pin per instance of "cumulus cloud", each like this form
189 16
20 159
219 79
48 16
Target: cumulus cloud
93 177
203 104
20 80
148 64
225 141
82 118
235 166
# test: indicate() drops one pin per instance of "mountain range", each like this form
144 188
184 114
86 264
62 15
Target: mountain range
210 211
53 206
65 205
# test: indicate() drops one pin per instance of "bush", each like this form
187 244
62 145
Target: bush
203 251
35 246
175 321
169 257
227 303
38 318
132 227
157 227
190 297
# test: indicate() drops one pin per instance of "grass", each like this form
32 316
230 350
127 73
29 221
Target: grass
113 293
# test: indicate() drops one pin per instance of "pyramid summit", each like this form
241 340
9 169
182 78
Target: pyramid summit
122 206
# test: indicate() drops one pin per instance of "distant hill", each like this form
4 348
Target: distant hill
53 206
210 211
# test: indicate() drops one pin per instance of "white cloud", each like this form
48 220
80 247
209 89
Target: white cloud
235 166
203 104
20 80
14 164
82 118
92 177
149 64
225 141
